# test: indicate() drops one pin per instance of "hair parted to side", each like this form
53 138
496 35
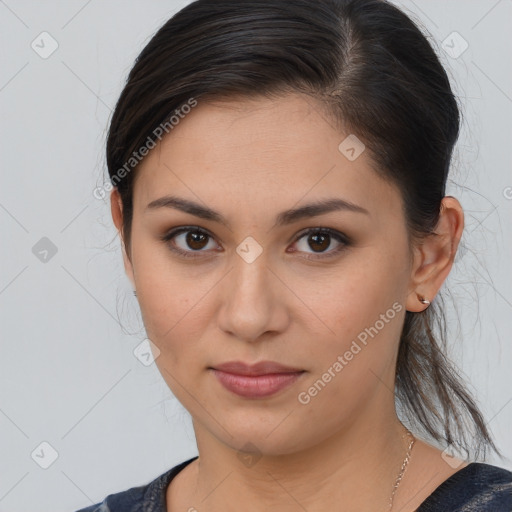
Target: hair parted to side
376 76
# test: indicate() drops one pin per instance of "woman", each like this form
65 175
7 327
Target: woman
279 173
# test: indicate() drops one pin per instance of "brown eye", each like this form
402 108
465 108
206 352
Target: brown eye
192 242
196 240
319 240
189 241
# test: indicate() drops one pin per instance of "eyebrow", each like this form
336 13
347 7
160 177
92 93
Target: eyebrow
284 218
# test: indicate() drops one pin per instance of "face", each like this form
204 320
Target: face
322 291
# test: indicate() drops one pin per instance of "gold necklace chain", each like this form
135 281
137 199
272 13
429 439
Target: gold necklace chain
404 465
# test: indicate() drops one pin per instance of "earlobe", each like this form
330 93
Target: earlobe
417 302
435 255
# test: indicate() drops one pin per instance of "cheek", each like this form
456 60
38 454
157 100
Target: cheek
364 310
356 363
173 301
360 295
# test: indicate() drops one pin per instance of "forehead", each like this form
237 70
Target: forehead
259 151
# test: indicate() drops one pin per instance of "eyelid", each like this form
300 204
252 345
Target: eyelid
340 237
319 229
169 235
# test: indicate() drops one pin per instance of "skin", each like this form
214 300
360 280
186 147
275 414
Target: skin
249 160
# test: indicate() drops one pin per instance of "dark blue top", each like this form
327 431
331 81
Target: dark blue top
477 487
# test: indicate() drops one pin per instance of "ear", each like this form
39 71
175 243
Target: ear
434 256
116 207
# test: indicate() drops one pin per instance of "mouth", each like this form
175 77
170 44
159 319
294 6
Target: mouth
257 369
260 380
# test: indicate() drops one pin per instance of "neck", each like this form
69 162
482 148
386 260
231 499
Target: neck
357 468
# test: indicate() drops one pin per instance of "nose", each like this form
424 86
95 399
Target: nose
253 301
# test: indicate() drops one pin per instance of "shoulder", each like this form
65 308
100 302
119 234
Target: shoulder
144 498
130 500
476 487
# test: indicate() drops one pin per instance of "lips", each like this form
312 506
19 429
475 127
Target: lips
261 368
259 380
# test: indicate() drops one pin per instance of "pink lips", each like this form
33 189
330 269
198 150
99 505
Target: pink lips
255 381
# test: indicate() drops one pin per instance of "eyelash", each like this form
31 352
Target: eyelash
339 237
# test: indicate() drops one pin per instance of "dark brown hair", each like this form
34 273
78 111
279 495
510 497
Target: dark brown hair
376 75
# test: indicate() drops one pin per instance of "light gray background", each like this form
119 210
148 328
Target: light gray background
68 375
